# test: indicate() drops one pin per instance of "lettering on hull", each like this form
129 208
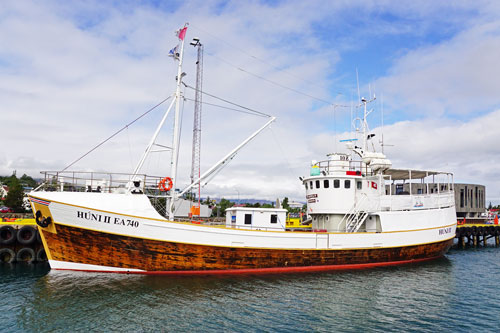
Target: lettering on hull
90 216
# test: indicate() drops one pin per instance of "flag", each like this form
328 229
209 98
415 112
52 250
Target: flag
173 52
181 33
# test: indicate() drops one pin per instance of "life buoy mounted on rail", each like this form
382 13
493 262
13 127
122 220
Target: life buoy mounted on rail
165 184
374 185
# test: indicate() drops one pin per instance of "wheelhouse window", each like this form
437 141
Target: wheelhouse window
274 218
359 185
317 184
306 186
248 218
311 185
336 183
326 183
347 183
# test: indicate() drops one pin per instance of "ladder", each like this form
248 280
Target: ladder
355 217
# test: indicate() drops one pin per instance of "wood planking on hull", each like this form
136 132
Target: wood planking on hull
78 245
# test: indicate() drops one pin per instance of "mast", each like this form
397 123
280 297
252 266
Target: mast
176 137
196 154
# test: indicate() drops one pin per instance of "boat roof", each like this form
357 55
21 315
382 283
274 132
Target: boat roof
400 174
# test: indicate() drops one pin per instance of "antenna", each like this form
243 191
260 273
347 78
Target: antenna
382 111
357 83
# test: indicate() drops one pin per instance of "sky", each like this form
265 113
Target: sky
74 72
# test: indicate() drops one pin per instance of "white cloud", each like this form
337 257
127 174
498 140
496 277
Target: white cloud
73 73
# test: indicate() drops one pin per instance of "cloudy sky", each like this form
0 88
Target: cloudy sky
72 73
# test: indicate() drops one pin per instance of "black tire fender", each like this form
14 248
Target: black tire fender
7 256
41 255
7 235
26 254
26 235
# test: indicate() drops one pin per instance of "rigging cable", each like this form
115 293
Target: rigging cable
271 81
237 105
255 57
225 107
116 133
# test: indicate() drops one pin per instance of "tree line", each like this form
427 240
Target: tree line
15 196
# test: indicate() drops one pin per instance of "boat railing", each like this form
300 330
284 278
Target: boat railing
417 201
83 181
329 166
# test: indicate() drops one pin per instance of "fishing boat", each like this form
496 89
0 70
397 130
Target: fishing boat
362 213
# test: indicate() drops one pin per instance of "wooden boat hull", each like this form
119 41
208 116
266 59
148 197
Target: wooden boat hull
77 248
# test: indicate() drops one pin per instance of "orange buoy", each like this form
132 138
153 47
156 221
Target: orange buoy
165 184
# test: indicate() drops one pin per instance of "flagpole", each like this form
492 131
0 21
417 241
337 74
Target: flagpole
176 136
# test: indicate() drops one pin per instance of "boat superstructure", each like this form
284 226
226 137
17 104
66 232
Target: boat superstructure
360 216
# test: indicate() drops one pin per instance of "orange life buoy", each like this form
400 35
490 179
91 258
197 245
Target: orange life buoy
165 187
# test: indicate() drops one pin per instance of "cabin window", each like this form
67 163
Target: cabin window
306 186
274 218
311 185
419 191
248 218
317 184
326 183
347 183
336 183
359 185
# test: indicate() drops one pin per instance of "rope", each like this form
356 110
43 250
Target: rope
112 136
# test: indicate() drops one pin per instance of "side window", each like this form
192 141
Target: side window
248 218
274 218
359 185
317 184
306 186
311 185
336 183
326 183
347 183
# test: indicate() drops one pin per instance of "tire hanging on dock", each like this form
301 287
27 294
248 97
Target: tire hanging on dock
25 254
7 256
7 235
26 235
41 256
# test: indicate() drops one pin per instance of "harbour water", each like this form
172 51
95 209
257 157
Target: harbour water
458 293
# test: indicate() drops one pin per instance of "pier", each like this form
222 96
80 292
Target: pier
477 234
20 241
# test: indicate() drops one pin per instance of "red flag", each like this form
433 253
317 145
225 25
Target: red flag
182 33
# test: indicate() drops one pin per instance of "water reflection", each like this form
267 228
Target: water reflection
310 301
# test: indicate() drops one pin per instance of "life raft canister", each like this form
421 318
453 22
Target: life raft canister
165 184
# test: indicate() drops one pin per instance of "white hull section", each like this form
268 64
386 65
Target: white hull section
72 266
403 228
